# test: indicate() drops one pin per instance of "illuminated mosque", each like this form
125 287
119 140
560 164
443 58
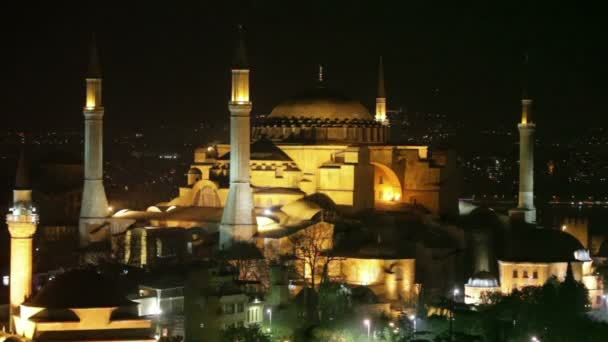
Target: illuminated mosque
317 156
318 164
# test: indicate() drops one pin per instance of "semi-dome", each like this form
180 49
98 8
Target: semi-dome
321 103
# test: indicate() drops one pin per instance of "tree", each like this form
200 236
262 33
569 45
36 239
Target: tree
310 246
552 312
252 333
334 300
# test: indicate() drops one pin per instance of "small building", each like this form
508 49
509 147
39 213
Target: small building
81 305
215 300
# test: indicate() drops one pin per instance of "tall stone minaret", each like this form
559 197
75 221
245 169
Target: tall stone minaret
238 221
525 206
381 97
94 207
22 222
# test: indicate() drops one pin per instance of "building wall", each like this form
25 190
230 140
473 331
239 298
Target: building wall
207 312
516 275
395 277
406 174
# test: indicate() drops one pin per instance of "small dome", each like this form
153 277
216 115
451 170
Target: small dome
532 244
483 279
482 217
321 103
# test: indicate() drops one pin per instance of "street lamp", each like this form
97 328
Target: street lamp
413 319
454 294
269 312
368 324
534 339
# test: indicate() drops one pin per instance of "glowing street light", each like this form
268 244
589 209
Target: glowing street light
368 324
413 319
269 312
454 294
534 339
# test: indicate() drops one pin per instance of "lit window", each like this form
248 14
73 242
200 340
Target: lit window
228 309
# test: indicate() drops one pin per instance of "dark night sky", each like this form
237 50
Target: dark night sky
170 62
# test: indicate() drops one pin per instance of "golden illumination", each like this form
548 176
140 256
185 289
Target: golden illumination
380 109
93 99
526 104
240 86
22 231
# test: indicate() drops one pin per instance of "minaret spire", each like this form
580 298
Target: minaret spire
94 70
381 90
94 206
240 60
525 208
238 221
22 223
381 96
320 74
22 176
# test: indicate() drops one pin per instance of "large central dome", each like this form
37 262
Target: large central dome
321 103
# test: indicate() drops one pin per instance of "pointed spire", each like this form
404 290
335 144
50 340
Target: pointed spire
240 53
381 90
320 79
525 80
94 65
22 176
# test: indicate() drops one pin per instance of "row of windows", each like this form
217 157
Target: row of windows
233 307
253 315
238 324
525 274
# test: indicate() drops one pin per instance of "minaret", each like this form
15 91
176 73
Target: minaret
238 221
381 97
525 207
94 207
21 223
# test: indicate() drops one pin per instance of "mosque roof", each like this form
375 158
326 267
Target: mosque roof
263 149
83 288
321 103
527 243
603 251
482 217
